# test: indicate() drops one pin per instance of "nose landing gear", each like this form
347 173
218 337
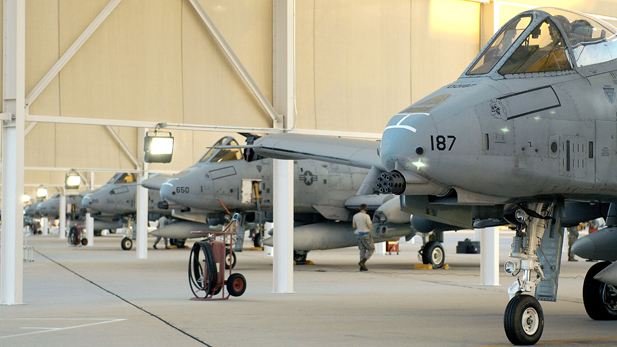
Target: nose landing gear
537 246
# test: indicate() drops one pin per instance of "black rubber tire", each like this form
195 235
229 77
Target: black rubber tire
523 320
84 242
126 243
258 240
300 256
433 254
596 294
236 285
97 233
227 259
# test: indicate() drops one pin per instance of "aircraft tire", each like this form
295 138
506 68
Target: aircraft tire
523 320
126 243
258 240
600 299
230 260
434 254
300 256
236 285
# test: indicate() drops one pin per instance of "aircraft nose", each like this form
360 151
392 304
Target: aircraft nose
168 190
406 141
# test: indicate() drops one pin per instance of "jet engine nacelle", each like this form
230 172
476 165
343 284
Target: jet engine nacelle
598 246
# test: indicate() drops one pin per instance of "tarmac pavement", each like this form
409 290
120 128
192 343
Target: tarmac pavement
104 296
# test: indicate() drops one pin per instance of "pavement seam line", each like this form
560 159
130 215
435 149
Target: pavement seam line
125 300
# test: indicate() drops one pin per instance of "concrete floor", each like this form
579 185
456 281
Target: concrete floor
103 296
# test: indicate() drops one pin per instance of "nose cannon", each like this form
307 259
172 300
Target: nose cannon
403 182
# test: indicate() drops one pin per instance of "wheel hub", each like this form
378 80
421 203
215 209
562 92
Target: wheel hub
530 321
609 296
437 256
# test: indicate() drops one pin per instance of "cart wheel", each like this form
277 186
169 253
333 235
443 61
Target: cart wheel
217 290
126 244
236 284
230 259
84 242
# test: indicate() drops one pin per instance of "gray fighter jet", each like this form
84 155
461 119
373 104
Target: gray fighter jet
225 180
115 201
529 125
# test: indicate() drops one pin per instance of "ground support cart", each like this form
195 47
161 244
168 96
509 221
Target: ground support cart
207 274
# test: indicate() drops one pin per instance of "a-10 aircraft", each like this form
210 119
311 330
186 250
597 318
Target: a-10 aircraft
115 201
529 125
227 180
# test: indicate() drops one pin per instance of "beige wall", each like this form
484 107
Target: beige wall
358 63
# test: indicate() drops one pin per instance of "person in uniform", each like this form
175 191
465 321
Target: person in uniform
362 223
162 222
572 236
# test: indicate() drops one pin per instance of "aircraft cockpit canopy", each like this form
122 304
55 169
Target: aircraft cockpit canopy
216 155
122 177
545 40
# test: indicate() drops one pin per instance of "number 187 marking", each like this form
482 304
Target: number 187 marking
440 142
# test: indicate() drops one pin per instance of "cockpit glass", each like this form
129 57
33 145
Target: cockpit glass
543 50
593 41
500 45
215 155
123 178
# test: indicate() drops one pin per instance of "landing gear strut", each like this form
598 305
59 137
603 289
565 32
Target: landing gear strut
537 246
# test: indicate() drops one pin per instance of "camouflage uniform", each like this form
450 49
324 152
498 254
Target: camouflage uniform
362 223
572 236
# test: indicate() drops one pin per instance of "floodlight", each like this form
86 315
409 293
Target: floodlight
41 192
158 147
25 198
72 180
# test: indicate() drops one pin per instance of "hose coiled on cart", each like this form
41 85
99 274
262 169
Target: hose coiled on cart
197 280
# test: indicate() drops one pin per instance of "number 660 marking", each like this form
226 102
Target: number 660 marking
440 142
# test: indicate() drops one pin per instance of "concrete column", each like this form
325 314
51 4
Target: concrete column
89 230
283 219
380 248
489 262
62 217
141 222
45 225
13 132
283 102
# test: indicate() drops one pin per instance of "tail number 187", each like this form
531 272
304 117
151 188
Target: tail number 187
442 143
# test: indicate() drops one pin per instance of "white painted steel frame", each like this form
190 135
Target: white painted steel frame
489 252
13 104
236 62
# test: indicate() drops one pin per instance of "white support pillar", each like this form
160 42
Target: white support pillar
283 94
13 132
62 217
283 221
489 263
89 230
141 220
380 248
45 225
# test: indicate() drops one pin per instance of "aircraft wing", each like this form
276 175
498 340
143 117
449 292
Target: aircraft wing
155 182
354 152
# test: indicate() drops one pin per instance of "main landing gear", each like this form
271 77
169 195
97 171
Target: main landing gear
537 246
599 298
432 252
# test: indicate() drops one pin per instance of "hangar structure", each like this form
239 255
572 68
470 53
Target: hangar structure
83 81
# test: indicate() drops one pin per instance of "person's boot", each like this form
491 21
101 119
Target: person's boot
362 265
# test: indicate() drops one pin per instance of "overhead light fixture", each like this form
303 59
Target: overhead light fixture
41 192
25 198
72 180
158 147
